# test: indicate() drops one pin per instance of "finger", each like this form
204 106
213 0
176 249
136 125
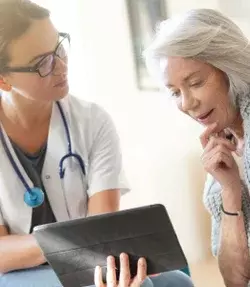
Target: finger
98 277
204 138
207 156
125 275
219 141
226 135
111 272
217 149
141 270
218 161
225 159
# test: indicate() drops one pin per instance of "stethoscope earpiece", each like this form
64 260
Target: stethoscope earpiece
34 197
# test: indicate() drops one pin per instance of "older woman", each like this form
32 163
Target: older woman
203 59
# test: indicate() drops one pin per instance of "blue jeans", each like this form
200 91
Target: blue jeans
44 276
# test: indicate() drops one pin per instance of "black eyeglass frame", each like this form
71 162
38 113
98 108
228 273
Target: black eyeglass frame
35 68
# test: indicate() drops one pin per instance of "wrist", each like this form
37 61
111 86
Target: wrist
234 186
233 205
232 198
233 212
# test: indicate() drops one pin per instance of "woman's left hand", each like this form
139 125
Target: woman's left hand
125 279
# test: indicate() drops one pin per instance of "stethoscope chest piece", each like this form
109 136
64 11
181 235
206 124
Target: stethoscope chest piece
34 197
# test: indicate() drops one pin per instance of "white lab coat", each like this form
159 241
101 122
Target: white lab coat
94 138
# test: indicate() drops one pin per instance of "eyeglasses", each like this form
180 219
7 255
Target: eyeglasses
46 65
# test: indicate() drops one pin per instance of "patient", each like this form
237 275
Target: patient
203 59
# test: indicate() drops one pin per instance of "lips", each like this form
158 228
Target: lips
61 84
204 117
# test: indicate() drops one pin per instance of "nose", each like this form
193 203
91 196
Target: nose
61 67
188 102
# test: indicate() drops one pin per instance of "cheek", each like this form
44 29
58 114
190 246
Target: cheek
219 98
30 84
216 91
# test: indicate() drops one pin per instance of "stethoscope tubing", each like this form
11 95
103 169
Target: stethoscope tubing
61 169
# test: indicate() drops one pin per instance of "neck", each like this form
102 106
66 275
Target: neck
26 112
236 128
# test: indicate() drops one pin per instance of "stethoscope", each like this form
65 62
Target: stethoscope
34 196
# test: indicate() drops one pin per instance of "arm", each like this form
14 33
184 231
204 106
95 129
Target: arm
103 202
229 232
106 181
233 254
18 251
229 240
22 251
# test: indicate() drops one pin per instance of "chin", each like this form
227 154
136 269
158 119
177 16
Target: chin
61 95
221 126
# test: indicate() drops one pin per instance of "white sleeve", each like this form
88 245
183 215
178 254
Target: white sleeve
105 160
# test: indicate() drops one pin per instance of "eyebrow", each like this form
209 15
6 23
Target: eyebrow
190 76
185 79
44 54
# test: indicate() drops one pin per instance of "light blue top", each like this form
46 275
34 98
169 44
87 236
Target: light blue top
212 193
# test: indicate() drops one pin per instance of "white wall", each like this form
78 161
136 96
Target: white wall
161 147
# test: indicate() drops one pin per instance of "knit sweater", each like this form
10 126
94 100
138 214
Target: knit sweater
212 193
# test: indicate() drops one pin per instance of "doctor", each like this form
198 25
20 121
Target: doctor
59 156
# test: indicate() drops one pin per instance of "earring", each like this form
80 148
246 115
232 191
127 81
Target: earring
4 86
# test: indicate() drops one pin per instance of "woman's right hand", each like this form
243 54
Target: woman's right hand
125 279
218 160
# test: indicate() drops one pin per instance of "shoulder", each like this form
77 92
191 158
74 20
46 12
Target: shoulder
243 103
85 111
91 120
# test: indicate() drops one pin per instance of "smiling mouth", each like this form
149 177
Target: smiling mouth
61 84
204 117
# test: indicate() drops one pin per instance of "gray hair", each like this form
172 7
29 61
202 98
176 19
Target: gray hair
208 36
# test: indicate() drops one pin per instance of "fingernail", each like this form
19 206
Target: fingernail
110 259
123 256
98 269
142 261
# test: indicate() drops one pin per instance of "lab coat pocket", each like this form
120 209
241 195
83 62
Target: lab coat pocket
74 185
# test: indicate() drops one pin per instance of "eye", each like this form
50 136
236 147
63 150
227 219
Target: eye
197 84
175 93
46 61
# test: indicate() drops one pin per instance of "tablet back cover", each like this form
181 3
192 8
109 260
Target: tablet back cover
75 247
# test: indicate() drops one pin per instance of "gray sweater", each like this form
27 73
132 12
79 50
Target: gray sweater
212 193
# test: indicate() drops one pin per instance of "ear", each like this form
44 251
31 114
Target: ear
4 86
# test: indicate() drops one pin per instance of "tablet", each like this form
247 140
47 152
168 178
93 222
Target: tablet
73 248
